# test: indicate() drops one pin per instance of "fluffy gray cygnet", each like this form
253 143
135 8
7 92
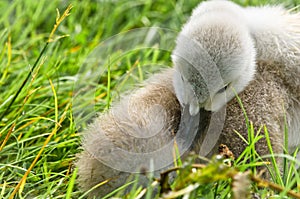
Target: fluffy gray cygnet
218 49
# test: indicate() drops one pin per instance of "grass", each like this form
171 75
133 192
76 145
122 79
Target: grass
46 115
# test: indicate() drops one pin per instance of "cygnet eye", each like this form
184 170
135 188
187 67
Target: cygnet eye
223 89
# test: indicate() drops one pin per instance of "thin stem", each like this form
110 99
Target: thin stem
24 82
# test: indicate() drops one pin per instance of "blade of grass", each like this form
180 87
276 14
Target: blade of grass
252 145
9 53
285 151
108 97
273 160
94 187
242 107
176 155
117 190
289 174
71 184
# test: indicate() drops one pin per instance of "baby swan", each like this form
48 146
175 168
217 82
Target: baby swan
208 59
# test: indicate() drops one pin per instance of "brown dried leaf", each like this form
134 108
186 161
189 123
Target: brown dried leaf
225 152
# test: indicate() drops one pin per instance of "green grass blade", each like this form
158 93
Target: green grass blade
275 166
71 184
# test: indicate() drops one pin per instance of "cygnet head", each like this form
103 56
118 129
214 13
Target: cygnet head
214 53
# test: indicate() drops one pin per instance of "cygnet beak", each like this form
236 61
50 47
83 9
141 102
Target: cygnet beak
208 105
